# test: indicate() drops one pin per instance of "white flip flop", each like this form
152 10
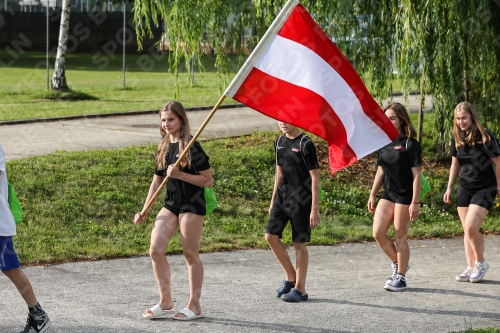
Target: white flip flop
190 315
157 311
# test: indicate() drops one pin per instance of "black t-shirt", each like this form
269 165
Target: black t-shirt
179 193
476 170
397 159
295 157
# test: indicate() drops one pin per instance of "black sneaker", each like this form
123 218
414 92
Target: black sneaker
37 323
285 288
394 267
397 284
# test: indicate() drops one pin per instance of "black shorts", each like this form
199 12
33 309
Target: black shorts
186 209
396 198
483 198
301 226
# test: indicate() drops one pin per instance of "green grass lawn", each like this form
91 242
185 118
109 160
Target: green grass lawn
80 205
148 85
481 330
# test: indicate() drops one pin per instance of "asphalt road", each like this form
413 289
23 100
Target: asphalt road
48 136
345 286
345 282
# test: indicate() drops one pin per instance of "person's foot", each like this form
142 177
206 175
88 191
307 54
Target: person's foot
394 267
157 311
187 314
465 275
479 271
37 323
285 288
397 284
294 295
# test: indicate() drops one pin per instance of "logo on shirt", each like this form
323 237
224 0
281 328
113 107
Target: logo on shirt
177 155
297 150
399 147
479 142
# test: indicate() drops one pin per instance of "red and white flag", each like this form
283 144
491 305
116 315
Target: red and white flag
297 75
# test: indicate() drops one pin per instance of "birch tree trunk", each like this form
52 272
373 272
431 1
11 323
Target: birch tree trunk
58 81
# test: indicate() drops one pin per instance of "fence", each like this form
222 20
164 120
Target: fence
102 53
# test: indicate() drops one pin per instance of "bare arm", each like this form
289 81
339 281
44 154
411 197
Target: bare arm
155 184
454 169
277 181
377 183
496 161
203 178
417 187
314 217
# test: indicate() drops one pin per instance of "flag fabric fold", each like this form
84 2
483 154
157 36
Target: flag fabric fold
297 75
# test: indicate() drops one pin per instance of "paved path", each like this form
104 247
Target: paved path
345 282
345 285
41 138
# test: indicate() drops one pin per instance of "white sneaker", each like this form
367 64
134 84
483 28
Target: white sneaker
479 271
465 275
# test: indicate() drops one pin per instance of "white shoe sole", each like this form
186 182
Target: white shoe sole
459 279
477 279
391 288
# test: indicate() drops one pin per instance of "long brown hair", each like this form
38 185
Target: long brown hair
475 129
162 149
406 125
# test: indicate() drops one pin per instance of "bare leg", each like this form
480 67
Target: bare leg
401 226
469 253
473 221
20 280
191 226
164 228
384 214
302 261
282 256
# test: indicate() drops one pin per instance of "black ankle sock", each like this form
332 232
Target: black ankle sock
37 309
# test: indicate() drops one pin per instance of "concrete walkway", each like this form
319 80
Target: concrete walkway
345 282
45 137
345 286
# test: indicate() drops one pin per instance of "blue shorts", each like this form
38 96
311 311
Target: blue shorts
8 257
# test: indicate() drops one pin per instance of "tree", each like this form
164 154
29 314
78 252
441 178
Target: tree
449 49
453 44
58 81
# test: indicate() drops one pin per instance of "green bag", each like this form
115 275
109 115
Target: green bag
426 188
15 207
210 199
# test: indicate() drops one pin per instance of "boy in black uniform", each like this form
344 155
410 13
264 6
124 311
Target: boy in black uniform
473 150
295 199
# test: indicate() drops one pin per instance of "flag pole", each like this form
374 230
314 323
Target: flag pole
186 150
